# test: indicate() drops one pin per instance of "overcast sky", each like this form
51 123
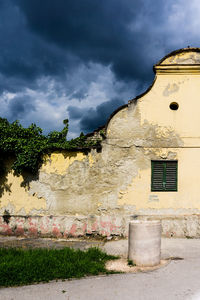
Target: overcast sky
81 59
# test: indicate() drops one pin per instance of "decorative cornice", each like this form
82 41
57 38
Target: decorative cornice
177 69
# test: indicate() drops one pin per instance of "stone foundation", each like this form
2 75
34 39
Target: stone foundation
103 226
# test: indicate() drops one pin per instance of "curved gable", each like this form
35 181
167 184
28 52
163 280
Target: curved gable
186 56
151 121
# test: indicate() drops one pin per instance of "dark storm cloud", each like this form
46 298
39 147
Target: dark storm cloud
96 31
94 118
75 112
65 49
50 38
19 107
54 36
25 56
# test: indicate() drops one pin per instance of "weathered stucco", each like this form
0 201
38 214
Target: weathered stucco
99 192
58 163
188 57
16 198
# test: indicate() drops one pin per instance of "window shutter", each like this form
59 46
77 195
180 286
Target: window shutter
164 176
157 176
171 176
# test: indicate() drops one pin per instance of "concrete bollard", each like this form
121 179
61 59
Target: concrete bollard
144 242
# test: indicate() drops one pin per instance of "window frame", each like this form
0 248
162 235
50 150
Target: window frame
164 162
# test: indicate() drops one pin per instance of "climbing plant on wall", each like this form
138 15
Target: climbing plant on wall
28 145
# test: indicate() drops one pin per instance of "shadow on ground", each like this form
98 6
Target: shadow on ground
31 243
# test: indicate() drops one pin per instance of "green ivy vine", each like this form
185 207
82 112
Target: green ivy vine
28 145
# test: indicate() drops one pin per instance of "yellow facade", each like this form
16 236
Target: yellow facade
177 80
58 163
16 198
185 200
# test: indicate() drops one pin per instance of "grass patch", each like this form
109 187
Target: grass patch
20 267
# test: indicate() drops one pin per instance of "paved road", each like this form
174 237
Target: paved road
179 280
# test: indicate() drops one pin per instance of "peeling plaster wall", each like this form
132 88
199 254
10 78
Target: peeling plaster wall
16 198
187 57
99 193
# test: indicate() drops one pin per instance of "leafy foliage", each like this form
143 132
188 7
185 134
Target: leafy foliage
19 267
131 263
28 145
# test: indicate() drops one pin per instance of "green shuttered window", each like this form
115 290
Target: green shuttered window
163 175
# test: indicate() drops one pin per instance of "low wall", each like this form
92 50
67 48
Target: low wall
106 226
97 194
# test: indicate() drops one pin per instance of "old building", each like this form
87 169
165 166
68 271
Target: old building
148 167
